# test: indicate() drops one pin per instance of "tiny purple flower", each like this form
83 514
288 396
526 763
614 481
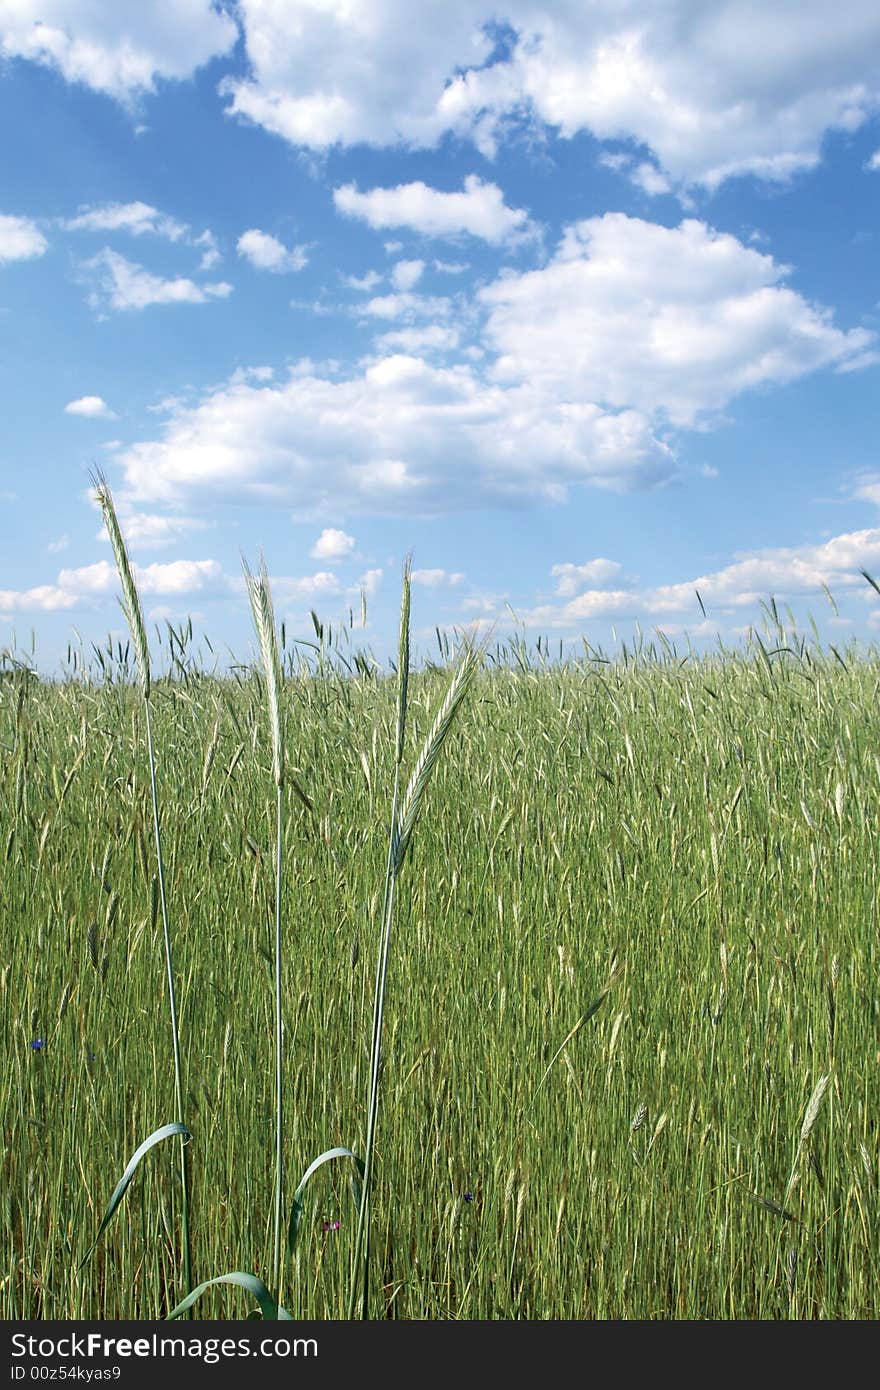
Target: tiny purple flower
38 1044
469 1196
331 1225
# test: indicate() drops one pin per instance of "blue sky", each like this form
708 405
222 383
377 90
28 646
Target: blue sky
578 303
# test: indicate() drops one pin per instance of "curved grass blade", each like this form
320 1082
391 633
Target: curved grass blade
164 1132
810 1117
270 1310
873 582
776 1209
296 1209
584 1018
458 687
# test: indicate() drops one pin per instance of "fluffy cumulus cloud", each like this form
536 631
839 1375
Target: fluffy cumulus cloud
834 564
405 275
785 572
478 209
300 593
90 408
78 588
671 320
20 239
120 50
713 90
332 544
332 72
307 588
587 371
398 436
570 577
266 252
122 284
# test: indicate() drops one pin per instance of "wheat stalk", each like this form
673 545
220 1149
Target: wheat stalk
810 1116
260 596
421 774
402 825
403 658
132 607
263 613
130 601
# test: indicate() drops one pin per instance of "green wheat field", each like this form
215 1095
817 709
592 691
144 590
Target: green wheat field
630 1066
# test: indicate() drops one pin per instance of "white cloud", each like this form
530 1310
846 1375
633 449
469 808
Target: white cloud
874 161
405 275
573 577
55 547
795 570
90 407
433 338
650 180
120 50
330 73
141 219
673 320
714 90
82 587
370 581
364 283
479 210
149 531
868 488
20 239
406 305
266 252
210 250
630 334
122 284
436 579
136 218
399 436
615 160
308 588
751 577
181 577
332 544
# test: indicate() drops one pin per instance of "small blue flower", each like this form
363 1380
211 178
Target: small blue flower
38 1044
469 1196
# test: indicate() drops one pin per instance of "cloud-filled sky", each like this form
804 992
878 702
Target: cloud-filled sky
578 303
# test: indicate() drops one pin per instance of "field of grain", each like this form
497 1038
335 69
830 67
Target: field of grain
690 843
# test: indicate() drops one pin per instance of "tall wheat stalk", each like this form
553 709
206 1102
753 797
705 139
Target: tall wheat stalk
260 596
403 819
132 609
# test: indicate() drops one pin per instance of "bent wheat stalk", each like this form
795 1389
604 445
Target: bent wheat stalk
403 821
132 609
